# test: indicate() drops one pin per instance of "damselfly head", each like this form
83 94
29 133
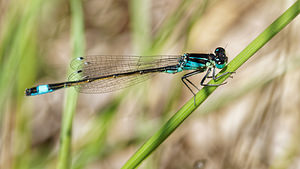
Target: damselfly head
220 57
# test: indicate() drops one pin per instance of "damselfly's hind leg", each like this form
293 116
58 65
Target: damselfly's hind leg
185 77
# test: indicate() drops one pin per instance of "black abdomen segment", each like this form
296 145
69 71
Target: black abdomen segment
43 89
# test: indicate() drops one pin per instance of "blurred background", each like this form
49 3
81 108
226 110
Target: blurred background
252 122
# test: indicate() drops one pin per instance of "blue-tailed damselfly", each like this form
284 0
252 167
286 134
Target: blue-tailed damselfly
106 73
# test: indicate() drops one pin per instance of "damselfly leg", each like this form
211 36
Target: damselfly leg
214 77
185 77
217 77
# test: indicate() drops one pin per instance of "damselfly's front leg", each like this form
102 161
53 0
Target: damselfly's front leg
213 76
217 77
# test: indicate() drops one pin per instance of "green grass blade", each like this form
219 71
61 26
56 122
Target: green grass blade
77 34
165 32
14 43
202 95
95 145
140 21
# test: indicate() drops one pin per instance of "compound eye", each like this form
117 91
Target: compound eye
219 50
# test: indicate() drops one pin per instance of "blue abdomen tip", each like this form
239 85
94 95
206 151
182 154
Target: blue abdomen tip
40 89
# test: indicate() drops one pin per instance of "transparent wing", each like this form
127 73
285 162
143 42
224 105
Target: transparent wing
96 66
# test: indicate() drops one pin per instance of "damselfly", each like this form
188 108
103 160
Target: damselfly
106 73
